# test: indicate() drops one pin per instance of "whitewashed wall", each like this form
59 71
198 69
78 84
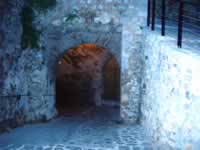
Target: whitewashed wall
171 92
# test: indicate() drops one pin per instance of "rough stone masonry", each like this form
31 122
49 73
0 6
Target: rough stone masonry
35 35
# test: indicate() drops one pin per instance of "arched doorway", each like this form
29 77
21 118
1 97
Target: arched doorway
85 77
111 78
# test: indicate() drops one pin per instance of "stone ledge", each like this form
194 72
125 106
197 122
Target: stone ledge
93 28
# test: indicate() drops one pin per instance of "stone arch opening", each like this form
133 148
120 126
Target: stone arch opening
85 77
111 80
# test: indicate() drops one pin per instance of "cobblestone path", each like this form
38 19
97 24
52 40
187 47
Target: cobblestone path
95 130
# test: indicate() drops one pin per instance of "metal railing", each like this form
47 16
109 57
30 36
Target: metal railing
182 17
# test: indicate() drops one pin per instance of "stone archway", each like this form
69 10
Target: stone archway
80 80
111 80
59 42
32 89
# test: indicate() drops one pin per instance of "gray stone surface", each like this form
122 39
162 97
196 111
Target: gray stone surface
94 129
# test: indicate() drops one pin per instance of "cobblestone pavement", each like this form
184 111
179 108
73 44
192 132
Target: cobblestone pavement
96 130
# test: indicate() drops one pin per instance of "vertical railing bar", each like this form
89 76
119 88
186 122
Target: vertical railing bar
153 14
149 13
180 24
163 17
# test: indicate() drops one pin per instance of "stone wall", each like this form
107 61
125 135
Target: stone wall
19 76
28 59
171 92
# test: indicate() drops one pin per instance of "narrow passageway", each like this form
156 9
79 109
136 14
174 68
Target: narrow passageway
88 76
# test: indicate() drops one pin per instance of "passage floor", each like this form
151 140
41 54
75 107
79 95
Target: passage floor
94 129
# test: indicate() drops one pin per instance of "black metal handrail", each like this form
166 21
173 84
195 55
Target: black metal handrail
181 19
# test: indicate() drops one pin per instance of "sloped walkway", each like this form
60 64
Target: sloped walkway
95 129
